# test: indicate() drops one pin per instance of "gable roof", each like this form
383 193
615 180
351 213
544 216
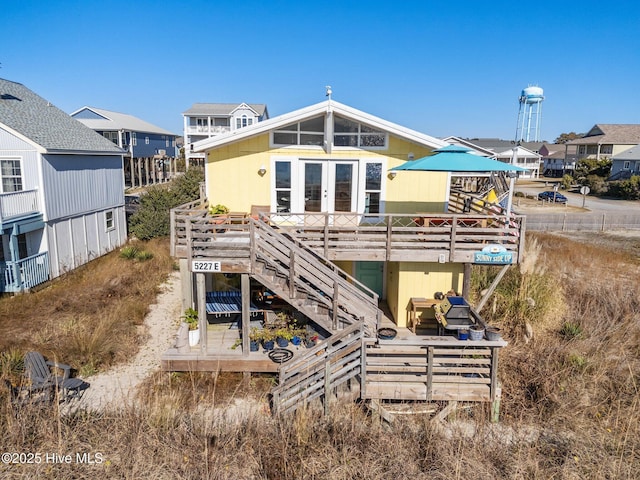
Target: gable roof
328 106
114 121
222 109
610 133
521 152
553 150
38 122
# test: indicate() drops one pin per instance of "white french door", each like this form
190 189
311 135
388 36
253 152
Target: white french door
329 185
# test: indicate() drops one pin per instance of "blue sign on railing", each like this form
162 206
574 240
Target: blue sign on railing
494 255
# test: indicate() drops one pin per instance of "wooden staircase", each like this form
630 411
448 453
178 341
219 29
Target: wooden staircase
309 282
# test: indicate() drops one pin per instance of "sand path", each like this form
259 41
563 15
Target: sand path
117 387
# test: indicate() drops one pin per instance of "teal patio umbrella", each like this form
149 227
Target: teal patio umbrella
455 158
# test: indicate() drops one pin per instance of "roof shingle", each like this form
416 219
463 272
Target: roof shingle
31 116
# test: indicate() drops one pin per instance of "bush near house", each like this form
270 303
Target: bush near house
626 189
152 219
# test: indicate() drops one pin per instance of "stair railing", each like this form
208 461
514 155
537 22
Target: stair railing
307 270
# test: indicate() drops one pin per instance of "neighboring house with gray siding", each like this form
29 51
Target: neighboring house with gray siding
61 191
604 140
625 164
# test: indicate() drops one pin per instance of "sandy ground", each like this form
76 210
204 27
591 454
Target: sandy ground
117 387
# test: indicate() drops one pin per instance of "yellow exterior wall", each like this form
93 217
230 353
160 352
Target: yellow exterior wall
411 192
233 180
413 279
232 174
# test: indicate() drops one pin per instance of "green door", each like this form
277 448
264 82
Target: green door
370 274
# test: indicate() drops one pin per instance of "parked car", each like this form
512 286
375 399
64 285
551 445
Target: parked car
131 204
550 196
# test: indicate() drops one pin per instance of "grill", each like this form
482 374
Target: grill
455 313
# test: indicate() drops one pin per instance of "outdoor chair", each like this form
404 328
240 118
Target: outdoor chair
43 377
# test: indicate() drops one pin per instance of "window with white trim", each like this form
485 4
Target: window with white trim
109 220
373 187
283 186
134 139
348 133
146 140
11 173
309 132
243 121
627 164
113 136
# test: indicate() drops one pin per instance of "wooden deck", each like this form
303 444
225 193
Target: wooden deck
385 237
220 354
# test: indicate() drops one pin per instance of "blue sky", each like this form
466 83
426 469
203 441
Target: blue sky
440 67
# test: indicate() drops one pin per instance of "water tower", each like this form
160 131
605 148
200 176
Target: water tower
529 114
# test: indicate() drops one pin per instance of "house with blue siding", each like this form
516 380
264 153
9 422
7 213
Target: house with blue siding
61 191
151 151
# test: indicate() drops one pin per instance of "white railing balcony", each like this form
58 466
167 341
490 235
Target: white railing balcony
206 130
25 273
17 204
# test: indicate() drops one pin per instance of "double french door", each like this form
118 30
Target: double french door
329 185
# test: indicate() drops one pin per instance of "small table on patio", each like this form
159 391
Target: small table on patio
419 303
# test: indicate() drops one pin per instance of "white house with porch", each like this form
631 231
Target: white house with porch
61 191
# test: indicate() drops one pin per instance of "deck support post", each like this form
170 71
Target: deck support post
452 244
466 280
429 374
246 292
363 366
186 284
495 405
132 173
389 232
139 162
202 311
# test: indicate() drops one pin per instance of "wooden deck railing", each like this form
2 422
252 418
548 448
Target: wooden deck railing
419 237
320 370
438 368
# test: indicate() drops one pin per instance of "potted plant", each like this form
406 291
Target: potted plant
311 340
297 334
267 338
218 209
255 336
190 317
283 336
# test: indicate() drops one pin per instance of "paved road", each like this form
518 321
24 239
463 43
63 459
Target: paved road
592 203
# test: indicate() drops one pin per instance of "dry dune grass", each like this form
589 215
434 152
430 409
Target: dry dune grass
89 317
570 406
